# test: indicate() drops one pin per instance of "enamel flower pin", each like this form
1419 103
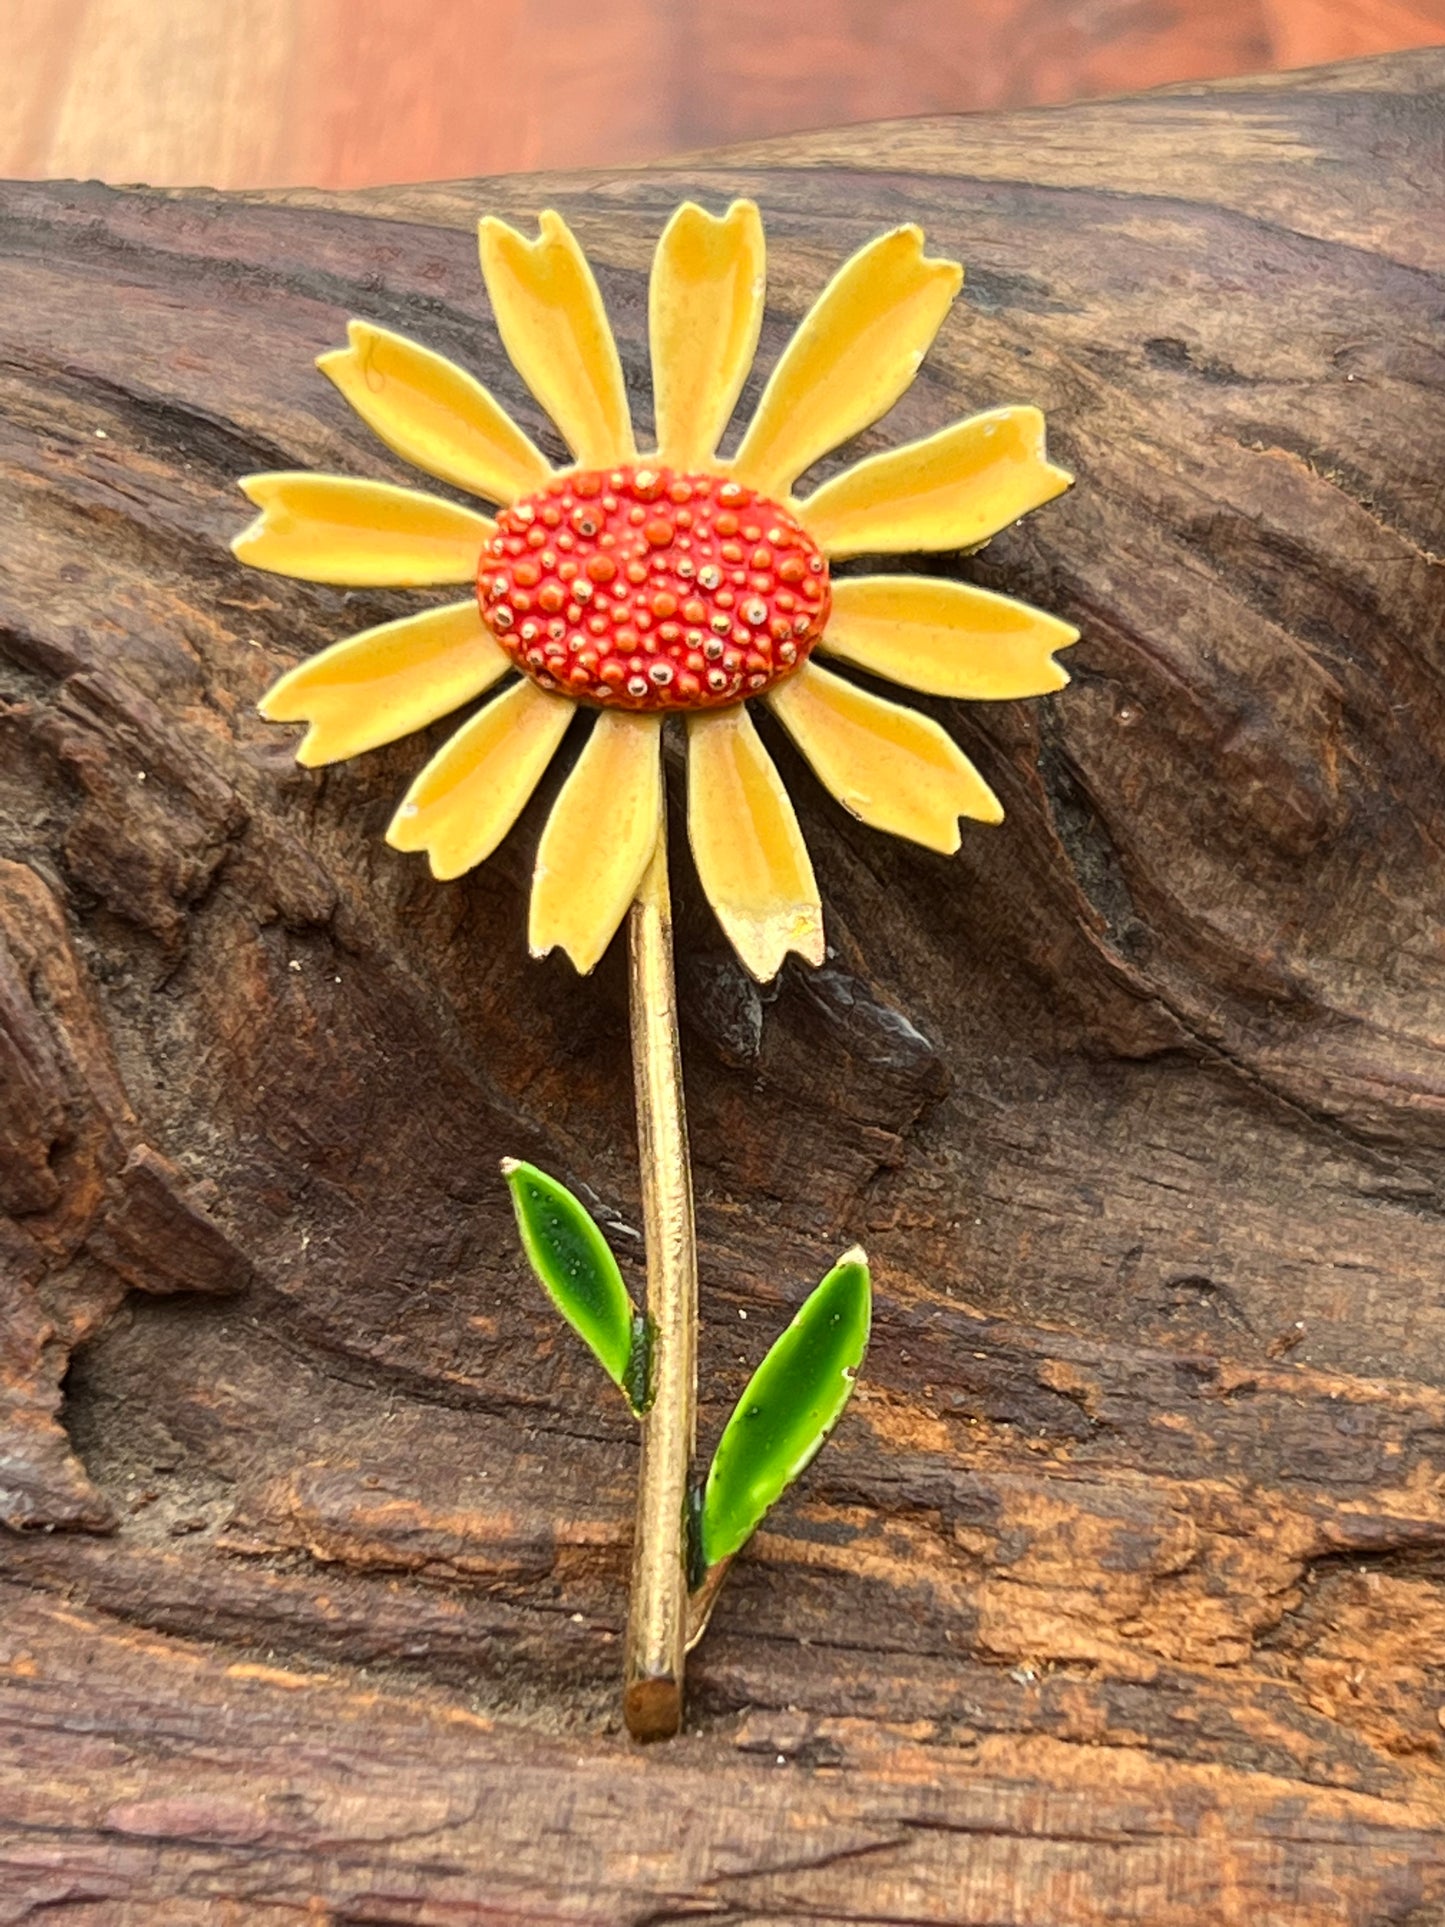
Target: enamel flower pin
634 586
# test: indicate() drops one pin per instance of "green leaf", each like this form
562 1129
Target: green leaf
792 1403
577 1270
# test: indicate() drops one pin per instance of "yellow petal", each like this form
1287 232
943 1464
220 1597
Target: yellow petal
854 354
892 767
952 491
599 839
434 414
363 535
552 324
386 682
750 855
945 638
475 787
705 309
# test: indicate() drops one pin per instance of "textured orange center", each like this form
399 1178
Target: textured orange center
643 588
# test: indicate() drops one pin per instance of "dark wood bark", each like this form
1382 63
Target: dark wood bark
1120 1595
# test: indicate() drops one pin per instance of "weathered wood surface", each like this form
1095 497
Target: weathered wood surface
1120 1595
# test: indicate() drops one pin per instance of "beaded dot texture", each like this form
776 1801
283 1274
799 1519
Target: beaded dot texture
645 588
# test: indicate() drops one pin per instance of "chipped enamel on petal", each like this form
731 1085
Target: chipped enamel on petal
855 353
598 841
386 682
434 415
705 309
552 323
945 638
750 855
952 491
474 789
359 535
893 768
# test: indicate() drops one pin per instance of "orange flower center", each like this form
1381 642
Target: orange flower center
643 588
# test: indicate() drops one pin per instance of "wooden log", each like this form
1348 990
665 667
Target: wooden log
1120 1594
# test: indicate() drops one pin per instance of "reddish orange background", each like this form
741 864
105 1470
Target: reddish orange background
347 93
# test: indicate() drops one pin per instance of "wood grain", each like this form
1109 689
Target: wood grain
1120 1594
346 93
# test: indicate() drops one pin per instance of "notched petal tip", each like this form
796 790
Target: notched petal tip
357 534
764 944
955 489
1058 677
357 332
434 414
705 306
553 326
262 491
581 951
580 961
444 861
887 764
749 850
491 227
1054 477
945 638
551 227
373 688
740 213
336 363
1032 425
741 208
912 234
950 273
331 360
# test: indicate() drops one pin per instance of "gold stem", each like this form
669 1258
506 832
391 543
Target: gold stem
657 1617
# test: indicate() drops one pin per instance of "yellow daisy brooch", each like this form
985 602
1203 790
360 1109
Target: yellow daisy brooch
633 585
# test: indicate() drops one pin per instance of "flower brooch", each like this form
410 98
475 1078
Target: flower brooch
631 586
